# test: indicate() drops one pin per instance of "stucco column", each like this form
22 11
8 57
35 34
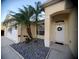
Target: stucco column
47 31
73 32
6 31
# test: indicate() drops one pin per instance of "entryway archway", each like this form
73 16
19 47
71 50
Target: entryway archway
59 23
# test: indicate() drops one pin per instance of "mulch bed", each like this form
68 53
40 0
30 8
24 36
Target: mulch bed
33 50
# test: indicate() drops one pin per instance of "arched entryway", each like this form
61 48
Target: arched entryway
2 32
52 21
59 26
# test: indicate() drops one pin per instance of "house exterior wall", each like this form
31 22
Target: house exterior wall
48 11
2 28
19 33
73 32
33 30
22 31
11 35
71 26
40 36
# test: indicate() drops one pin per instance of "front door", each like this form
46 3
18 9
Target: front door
59 32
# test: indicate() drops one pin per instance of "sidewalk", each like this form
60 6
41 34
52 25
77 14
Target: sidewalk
59 52
5 42
8 52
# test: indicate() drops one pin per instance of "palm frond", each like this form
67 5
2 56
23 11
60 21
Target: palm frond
22 11
30 10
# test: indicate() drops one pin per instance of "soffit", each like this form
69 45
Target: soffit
51 2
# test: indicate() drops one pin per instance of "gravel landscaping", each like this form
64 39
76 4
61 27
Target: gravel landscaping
32 50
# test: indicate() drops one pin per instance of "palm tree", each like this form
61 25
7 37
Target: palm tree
23 18
37 10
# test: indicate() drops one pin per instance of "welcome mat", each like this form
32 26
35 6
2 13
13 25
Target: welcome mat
59 43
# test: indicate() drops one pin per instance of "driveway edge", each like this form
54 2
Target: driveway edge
16 52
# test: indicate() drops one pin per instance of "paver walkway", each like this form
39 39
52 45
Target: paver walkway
59 52
8 52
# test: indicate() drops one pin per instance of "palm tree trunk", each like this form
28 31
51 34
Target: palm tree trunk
36 24
21 33
29 31
36 30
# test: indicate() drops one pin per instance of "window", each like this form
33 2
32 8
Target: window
40 30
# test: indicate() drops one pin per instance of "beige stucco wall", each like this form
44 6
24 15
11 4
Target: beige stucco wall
40 36
2 27
11 34
49 11
21 32
24 32
33 29
54 8
73 32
